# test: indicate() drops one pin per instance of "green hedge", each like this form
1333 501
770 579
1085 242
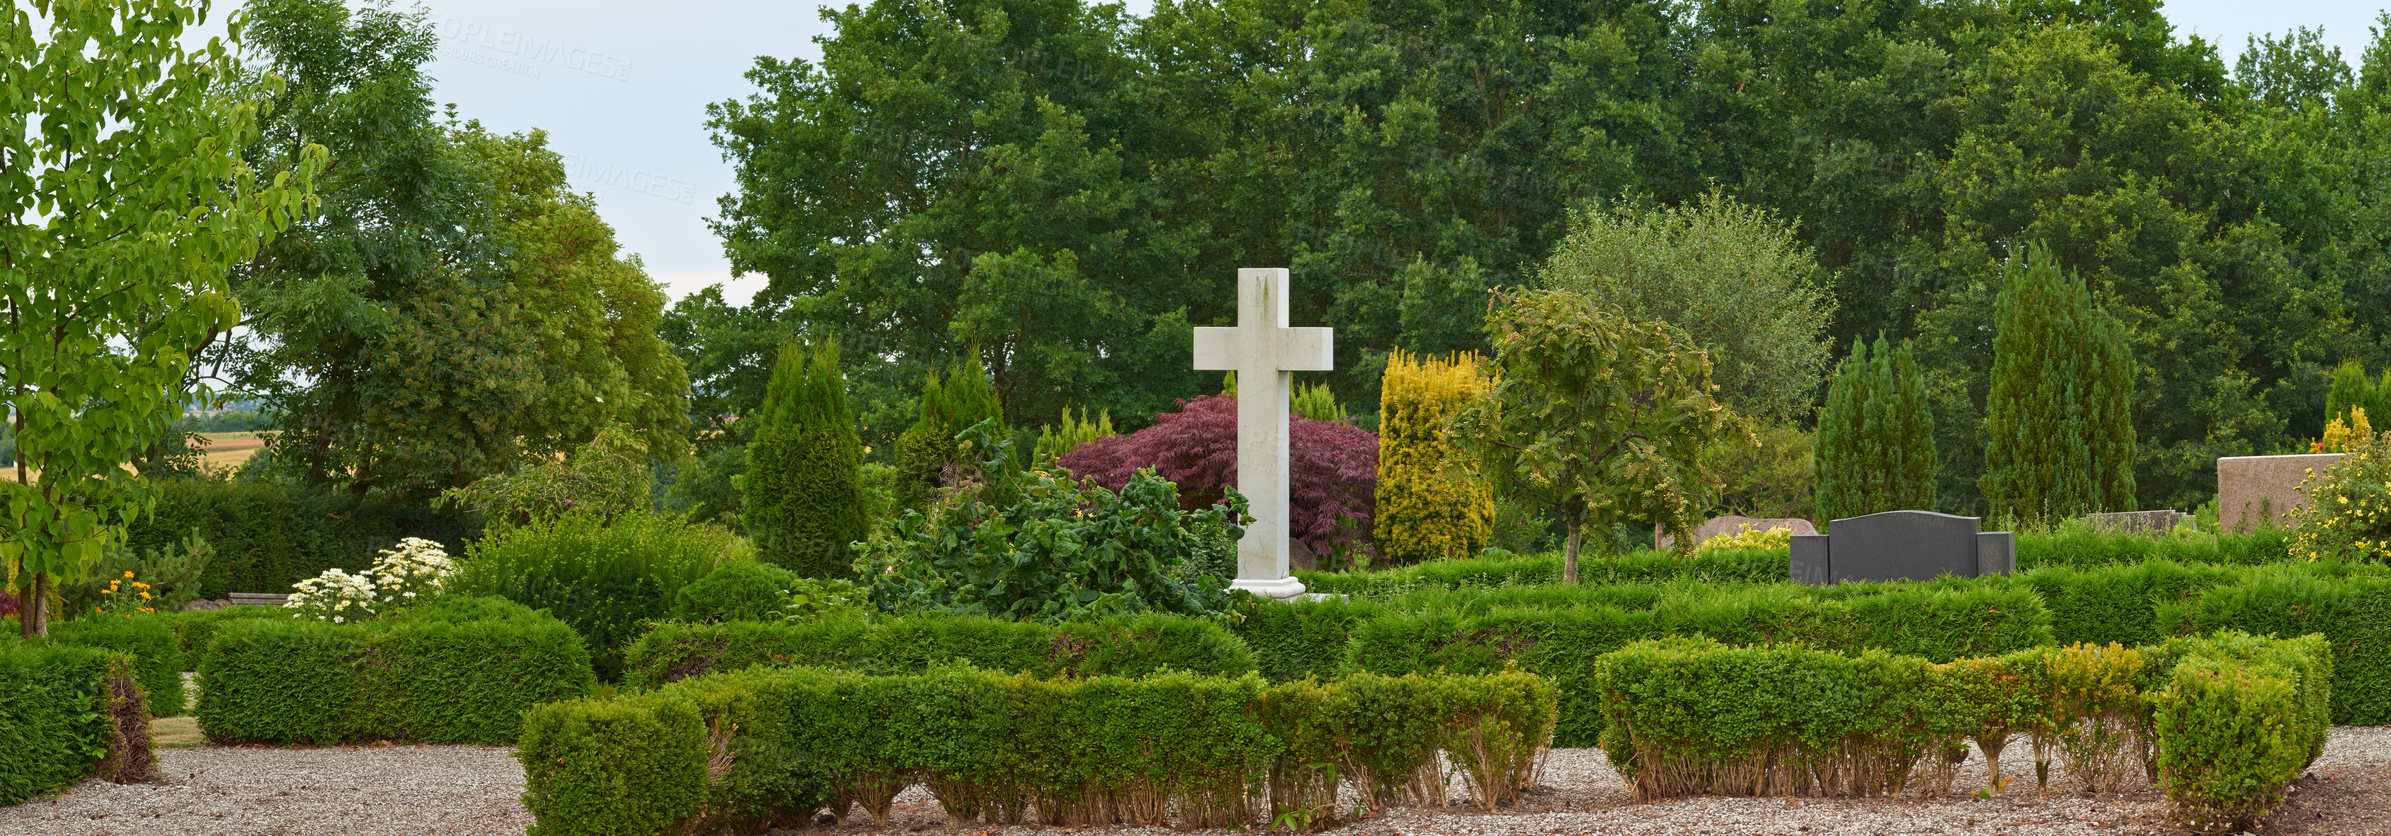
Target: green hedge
1216 751
194 629
2231 718
150 644
2083 548
1645 567
423 680
63 720
268 536
1565 644
1126 646
2353 614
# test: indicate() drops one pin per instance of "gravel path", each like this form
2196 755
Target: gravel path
475 789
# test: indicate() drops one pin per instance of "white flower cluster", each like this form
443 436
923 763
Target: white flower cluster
335 596
418 568
415 570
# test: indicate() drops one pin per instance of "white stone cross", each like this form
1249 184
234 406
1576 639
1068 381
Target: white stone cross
1264 352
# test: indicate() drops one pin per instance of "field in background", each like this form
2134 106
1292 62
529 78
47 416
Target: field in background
217 451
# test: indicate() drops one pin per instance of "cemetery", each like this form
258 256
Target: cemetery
1207 418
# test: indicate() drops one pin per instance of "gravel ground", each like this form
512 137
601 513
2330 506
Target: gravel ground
474 790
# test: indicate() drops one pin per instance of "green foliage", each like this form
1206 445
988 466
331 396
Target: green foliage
1545 569
1054 441
1876 440
928 457
1129 646
2236 719
2353 614
195 628
1599 420
458 309
1770 474
267 536
118 228
444 678
172 573
737 592
157 658
1731 276
604 578
2352 389
609 767
1429 503
1296 640
1029 545
995 748
2347 515
2059 416
607 476
803 495
54 715
1314 401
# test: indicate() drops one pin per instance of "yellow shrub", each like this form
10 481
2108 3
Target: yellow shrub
1430 504
2340 437
1749 538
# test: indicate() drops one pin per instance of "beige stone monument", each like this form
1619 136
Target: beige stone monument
1732 524
1264 352
2254 491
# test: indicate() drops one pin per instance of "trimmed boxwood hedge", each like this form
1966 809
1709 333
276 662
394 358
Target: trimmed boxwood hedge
194 629
1717 566
1126 646
418 680
1009 748
157 658
2352 614
68 713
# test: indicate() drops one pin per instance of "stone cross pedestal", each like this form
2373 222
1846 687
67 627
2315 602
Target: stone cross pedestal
1264 352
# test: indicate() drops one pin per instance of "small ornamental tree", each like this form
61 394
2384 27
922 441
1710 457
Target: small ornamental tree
927 458
124 203
2058 419
1331 485
1054 441
1876 440
2352 389
803 488
1431 503
1598 420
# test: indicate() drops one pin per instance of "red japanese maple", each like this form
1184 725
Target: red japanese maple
1332 483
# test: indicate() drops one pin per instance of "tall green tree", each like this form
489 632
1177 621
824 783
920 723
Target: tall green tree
2058 420
124 203
805 504
928 457
1876 438
2352 389
1598 420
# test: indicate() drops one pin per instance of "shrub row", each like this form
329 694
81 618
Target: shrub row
747 750
1715 566
2224 723
68 713
448 675
147 643
1127 646
1565 644
268 536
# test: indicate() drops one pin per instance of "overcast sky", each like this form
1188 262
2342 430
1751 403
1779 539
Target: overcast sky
622 86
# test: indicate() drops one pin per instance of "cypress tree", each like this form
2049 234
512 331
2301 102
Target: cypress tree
1876 441
1429 503
803 488
2352 389
927 455
2058 418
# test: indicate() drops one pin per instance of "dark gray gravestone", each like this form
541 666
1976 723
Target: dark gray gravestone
1996 553
1810 560
1901 545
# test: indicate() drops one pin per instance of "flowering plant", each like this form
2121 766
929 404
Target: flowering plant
126 597
2348 509
415 570
335 596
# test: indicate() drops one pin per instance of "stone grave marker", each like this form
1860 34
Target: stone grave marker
1902 545
1264 352
2137 522
2255 491
1731 524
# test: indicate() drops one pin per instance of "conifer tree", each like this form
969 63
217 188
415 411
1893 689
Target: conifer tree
803 488
927 457
1429 505
1876 440
1076 430
2353 389
2058 417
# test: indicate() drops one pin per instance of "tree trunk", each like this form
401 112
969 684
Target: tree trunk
34 611
1569 556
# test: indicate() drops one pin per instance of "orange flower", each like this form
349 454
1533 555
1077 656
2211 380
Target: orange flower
128 573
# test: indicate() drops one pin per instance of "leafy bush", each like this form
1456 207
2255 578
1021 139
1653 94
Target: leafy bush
1747 538
404 576
1332 467
169 576
737 592
416 680
1128 646
193 629
1714 566
267 536
1015 749
2353 614
603 578
607 476
2077 545
1032 546
2347 514
68 713
2236 720
1429 505
156 658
